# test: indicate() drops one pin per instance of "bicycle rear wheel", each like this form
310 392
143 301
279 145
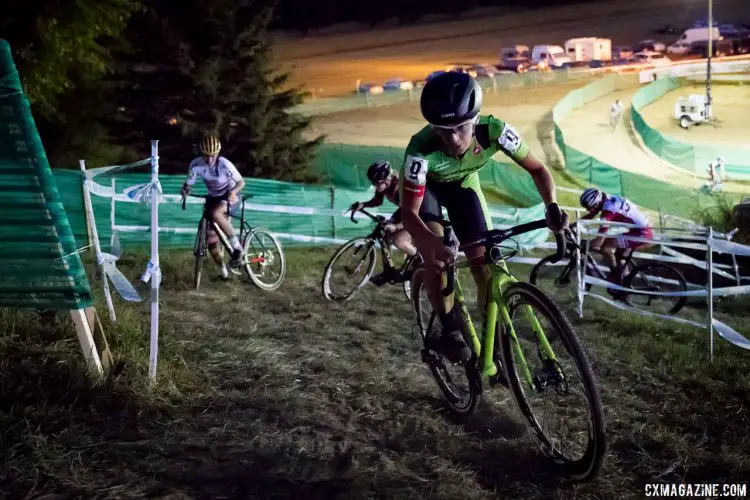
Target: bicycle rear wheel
265 263
355 260
567 378
655 277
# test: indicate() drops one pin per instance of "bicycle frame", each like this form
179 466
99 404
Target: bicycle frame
378 234
500 279
244 229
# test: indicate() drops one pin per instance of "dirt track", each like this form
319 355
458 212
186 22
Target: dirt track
731 105
527 110
331 64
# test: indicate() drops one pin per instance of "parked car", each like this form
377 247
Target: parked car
398 84
622 53
516 63
719 48
650 57
463 68
678 48
484 70
650 45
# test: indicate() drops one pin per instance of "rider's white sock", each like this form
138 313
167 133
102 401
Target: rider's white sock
236 243
223 270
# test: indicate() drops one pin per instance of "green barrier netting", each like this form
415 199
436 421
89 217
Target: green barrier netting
34 228
693 158
295 212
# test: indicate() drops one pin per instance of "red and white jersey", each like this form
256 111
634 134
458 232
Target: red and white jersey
618 209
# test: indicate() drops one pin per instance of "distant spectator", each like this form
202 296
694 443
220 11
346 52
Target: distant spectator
716 173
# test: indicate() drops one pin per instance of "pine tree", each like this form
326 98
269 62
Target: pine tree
208 66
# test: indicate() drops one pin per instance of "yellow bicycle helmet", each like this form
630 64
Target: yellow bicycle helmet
210 145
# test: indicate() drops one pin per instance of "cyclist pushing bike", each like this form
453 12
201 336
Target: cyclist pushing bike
224 183
441 166
616 209
385 181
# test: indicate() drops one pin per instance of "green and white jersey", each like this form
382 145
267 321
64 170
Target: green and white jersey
425 160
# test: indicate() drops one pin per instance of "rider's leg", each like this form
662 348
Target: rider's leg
219 215
608 255
402 240
450 340
216 251
467 204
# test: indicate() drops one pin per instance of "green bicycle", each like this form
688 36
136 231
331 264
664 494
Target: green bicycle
521 323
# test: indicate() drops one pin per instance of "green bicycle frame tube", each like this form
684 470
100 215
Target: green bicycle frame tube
499 281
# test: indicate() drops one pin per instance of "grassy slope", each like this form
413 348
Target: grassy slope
282 394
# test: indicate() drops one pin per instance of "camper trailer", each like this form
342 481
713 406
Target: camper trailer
589 49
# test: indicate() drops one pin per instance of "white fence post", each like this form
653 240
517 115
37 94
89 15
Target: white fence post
710 284
154 263
89 208
112 215
579 268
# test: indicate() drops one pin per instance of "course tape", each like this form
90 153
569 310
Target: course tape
717 292
725 331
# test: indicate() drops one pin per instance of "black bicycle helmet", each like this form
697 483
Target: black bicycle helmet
379 171
450 99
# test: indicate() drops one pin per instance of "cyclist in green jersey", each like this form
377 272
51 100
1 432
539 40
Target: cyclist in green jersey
440 169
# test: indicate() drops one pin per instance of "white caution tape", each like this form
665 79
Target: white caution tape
717 292
625 307
730 335
91 173
722 246
686 259
725 331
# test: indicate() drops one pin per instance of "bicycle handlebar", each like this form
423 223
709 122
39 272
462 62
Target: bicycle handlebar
493 238
376 218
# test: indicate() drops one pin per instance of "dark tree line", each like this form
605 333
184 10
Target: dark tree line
106 76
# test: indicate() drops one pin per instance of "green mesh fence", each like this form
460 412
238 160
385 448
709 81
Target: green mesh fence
645 191
693 158
35 233
299 214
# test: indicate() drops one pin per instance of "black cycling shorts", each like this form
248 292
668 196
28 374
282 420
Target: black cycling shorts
464 201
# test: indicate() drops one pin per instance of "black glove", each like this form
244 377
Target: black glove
557 220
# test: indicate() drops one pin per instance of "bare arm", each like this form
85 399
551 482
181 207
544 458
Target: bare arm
543 180
376 201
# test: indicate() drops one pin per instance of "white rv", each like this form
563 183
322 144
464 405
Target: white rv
551 55
589 49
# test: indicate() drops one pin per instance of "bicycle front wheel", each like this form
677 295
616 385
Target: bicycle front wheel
553 387
200 254
460 385
546 273
654 277
265 263
352 264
